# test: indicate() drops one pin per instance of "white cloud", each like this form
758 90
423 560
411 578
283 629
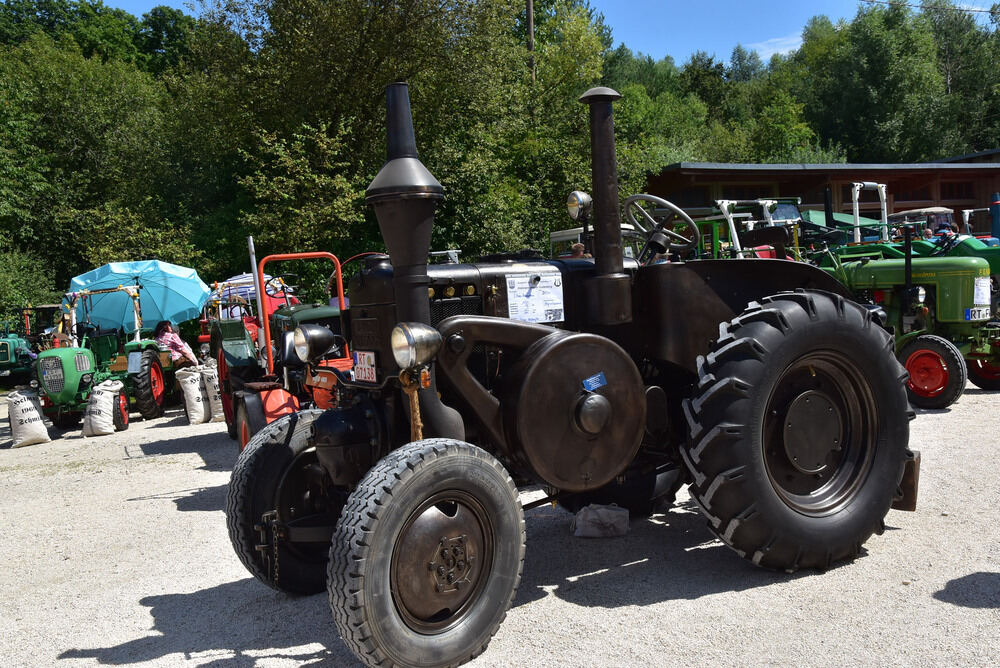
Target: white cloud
769 47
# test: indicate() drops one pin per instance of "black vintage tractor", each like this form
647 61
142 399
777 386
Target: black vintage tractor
760 384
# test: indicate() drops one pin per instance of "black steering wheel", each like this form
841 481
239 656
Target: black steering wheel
946 244
662 234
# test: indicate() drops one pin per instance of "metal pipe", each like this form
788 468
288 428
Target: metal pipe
404 195
261 314
611 301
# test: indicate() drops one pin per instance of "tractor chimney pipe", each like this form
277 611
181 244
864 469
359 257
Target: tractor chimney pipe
404 195
828 208
611 303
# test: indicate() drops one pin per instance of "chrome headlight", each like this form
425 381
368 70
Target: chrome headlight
414 344
921 294
86 378
205 349
33 384
312 342
579 204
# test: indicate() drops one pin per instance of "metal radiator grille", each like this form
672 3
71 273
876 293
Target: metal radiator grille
52 374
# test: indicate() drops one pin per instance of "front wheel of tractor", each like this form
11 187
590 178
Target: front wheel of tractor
426 556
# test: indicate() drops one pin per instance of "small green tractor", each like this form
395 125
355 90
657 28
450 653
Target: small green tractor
15 356
85 356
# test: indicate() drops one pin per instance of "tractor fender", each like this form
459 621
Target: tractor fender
265 405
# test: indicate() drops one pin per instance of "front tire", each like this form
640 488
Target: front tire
276 488
937 371
799 430
427 556
149 385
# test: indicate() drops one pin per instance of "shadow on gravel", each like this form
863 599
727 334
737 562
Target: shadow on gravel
197 499
976 590
667 557
215 448
234 624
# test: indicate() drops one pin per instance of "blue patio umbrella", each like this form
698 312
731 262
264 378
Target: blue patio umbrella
166 292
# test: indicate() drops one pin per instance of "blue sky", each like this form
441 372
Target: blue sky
678 28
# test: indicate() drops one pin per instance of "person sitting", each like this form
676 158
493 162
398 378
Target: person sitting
180 353
577 250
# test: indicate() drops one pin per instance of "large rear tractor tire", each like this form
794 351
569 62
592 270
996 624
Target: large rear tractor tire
937 371
280 509
427 556
149 386
799 430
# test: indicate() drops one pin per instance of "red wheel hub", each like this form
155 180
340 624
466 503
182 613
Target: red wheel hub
928 373
123 407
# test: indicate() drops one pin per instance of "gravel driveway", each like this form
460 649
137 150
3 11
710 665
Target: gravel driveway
115 552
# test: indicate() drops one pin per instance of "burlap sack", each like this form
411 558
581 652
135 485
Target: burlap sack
195 396
25 414
210 377
99 417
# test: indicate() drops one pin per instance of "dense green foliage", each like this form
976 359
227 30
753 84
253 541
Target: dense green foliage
174 137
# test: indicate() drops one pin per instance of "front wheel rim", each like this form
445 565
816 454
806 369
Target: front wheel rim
820 434
441 561
928 373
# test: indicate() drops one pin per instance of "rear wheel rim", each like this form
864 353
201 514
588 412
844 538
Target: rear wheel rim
156 383
820 434
928 373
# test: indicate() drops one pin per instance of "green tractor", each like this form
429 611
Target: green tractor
15 356
939 309
86 356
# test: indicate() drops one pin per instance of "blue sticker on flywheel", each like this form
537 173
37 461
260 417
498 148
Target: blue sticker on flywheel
595 382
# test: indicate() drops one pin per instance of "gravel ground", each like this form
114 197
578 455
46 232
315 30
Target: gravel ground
115 552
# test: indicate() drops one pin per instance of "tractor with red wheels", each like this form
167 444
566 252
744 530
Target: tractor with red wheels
260 376
762 385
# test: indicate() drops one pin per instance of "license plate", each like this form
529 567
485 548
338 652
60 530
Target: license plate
978 313
364 366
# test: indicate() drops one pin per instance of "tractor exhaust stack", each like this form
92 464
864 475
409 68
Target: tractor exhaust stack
611 288
404 195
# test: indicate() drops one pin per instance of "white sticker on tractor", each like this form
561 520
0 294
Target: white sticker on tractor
535 297
982 292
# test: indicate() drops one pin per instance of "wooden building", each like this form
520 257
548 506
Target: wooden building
963 182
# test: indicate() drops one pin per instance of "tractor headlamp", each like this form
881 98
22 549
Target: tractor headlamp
312 342
86 378
921 295
33 384
579 204
414 344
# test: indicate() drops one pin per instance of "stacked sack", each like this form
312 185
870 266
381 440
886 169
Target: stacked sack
99 416
202 398
25 414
